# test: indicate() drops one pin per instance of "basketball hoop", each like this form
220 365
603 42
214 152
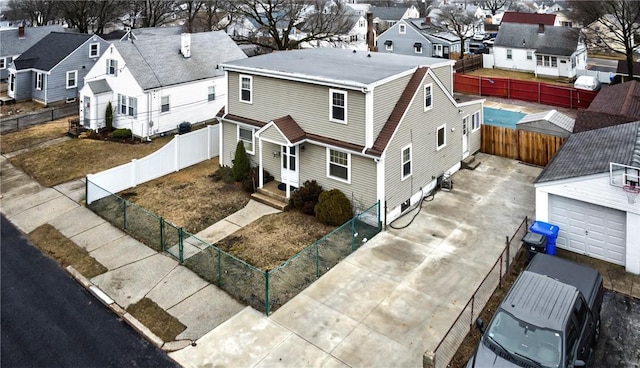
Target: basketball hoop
631 192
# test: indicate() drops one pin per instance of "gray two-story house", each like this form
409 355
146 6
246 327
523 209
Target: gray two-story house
378 127
15 41
54 68
419 37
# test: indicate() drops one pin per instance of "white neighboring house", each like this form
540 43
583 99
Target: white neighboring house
155 83
350 32
553 51
582 193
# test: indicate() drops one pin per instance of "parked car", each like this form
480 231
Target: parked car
480 36
478 48
549 318
587 83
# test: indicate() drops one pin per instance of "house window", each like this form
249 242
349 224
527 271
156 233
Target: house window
246 87
428 97
38 84
3 63
441 137
388 45
12 82
475 121
417 47
529 55
338 165
338 106
246 136
112 67
402 28
509 54
554 61
353 38
361 23
164 103
94 50
406 162
72 79
127 105
551 61
211 93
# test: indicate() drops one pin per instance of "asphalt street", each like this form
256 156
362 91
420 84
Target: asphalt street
48 319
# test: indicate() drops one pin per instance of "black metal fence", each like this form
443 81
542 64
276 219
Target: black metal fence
16 123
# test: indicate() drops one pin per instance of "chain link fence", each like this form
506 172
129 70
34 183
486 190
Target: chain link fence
15 123
263 290
449 345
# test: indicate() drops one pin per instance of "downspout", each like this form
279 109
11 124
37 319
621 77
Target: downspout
149 117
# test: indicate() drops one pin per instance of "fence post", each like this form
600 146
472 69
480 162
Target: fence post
124 215
473 302
538 92
317 260
509 88
162 234
180 245
353 234
134 181
219 267
429 360
266 292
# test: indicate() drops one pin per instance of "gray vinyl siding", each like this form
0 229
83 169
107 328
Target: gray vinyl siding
230 142
385 98
419 128
23 86
4 73
362 189
403 43
274 135
308 105
79 60
269 162
39 94
444 75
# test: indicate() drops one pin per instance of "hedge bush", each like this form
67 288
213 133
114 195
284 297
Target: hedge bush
241 164
121 134
305 198
333 208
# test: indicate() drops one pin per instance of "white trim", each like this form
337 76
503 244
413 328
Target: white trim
75 79
402 28
168 97
97 50
479 114
388 47
346 112
214 93
424 96
250 77
368 119
415 49
253 137
40 81
444 144
348 180
402 162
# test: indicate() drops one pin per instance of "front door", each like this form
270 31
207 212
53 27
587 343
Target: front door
289 168
445 52
465 137
87 112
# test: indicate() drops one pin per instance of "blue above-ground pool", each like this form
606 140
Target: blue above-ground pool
501 118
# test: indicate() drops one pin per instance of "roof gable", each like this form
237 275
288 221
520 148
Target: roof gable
51 50
157 62
619 103
590 152
388 12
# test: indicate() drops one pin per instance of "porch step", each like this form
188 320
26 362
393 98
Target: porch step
470 163
270 201
271 194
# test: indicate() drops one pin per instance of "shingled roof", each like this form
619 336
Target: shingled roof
13 45
51 50
398 112
290 128
562 41
619 103
590 152
529 18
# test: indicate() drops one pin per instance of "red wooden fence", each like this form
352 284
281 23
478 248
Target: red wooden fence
547 94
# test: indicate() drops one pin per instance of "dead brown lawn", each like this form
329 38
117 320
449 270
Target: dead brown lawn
33 136
189 198
161 323
499 73
272 239
65 252
75 158
21 108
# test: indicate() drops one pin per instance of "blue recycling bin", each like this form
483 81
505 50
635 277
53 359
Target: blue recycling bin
550 231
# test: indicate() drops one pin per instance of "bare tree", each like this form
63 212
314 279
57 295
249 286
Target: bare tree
79 14
190 12
155 13
279 19
457 21
216 16
493 5
106 11
618 22
38 12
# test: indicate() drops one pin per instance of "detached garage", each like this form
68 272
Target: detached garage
581 191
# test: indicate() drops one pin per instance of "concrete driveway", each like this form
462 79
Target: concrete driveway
394 298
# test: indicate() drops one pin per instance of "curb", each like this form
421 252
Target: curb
128 318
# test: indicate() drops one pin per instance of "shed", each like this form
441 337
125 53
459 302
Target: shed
550 122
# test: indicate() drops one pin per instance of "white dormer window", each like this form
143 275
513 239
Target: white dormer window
94 50
402 28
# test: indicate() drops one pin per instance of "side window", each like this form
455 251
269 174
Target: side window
571 343
338 106
580 311
246 88
428 97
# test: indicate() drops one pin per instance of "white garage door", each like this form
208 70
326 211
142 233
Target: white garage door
586 228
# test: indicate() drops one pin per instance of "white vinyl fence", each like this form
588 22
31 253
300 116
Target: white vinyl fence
603 77
183 151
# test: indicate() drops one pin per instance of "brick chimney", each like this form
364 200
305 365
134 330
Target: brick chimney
371 37
21 31
540 27
427 20
185 45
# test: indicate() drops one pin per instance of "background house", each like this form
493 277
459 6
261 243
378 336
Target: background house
419 37
52 70
540 49
349 29
15 41
579 192
529 18
385 17
616 104
378 127
155 83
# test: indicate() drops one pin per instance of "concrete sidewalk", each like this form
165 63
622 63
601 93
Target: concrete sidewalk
134 271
